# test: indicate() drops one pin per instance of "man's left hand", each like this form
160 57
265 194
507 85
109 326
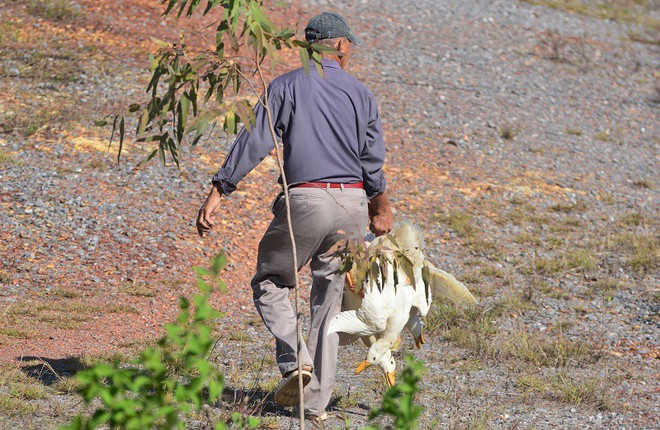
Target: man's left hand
380 214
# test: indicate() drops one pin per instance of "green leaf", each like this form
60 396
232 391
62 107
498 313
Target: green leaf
142 123
218 264
304 59
114 128
121 139
407 267
159 42
230 122
319 47
316 57
184 102
100 123
245 113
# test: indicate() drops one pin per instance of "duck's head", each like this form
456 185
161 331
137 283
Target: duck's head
389 366
385 362
375 354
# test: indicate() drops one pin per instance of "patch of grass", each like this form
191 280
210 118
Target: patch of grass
623 11
58 10
531 383
571 207
28 392
480 245
10 373
7 157
519 215
643 184
492 271
139 289
578 391
568 389
16 333
61 320
66 293
475 330
463 224
97 164
577 260
644 37
471 278
631 219
470 365
115 309
66 386
643 250
508 132
606 285
238 336
564 325
11 406
603 136
515 304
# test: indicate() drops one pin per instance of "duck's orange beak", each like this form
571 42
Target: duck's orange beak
419 341
390 379
362 366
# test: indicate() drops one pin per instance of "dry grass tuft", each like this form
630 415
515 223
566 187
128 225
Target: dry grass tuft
139 289
11 406
7 158
509 132
58 10
568 389
475 330
571 207
624 11
643 250
574 260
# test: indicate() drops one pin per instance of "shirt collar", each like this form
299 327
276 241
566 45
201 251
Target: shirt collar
330 63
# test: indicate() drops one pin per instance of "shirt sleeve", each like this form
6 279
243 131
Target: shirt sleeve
253 145
373 154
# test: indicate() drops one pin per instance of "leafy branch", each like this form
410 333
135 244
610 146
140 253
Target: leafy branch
172 378
398 401
191 90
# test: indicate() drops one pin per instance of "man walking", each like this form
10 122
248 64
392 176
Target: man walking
333 157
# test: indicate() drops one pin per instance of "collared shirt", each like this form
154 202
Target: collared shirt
329 126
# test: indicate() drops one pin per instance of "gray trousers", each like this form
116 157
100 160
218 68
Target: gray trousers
319 216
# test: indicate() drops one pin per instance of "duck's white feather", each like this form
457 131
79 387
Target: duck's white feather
445 284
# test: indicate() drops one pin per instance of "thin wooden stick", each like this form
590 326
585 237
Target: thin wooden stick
285 186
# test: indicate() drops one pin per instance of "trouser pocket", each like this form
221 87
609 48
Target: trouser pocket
278 204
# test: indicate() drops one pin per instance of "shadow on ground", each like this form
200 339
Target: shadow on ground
50 370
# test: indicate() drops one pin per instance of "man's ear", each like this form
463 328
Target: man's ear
344 45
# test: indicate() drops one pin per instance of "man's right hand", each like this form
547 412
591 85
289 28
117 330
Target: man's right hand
205 216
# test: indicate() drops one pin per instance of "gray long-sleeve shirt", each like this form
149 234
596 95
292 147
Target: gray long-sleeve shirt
330 129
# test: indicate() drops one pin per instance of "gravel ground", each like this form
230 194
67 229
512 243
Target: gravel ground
518 136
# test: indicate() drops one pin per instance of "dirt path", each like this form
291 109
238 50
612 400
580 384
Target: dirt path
523 139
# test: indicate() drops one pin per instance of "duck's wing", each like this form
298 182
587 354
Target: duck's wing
449 287
348 322
347 339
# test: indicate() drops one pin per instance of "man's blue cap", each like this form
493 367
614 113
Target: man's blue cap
329 25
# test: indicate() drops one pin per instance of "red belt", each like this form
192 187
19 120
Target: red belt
328 185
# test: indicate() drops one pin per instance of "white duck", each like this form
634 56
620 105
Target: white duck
383 301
